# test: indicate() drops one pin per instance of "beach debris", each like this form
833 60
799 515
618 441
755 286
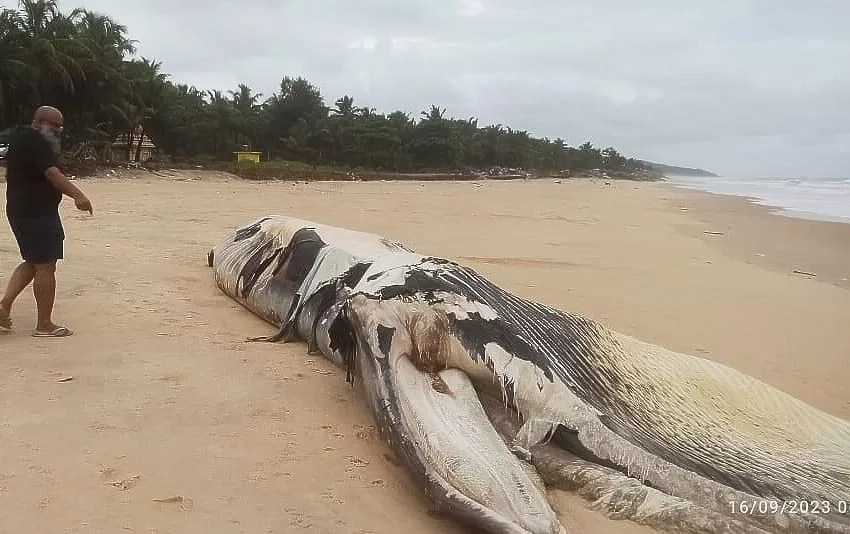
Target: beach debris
504 172
111 476
713 232
805 273
126 483
58 376
185 503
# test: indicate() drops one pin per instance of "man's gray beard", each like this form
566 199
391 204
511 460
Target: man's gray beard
53 139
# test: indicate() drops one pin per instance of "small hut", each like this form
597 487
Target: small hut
124 147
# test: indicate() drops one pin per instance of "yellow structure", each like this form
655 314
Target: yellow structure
253 157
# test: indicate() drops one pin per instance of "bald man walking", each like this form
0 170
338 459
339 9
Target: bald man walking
34 189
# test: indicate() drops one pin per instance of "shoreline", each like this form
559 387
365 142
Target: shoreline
774 206
764 235
157 395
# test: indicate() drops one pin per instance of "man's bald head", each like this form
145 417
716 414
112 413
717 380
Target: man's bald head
49 122
48 116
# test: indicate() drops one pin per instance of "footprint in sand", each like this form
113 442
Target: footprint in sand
98 426
365 432
176 379
4 478
356 462
329 495
299 519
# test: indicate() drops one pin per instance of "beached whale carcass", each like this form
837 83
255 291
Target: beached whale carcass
446 358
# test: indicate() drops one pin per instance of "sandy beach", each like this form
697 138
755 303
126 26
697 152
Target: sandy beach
156 417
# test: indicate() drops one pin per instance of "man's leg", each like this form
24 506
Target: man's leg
44 289
40 240
21 278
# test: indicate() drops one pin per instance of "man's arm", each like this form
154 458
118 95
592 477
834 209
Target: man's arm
46 161
63 184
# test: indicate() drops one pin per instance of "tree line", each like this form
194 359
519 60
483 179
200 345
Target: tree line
83 62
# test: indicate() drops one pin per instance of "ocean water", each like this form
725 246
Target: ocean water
809 198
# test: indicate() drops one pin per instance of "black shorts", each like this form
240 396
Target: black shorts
40 238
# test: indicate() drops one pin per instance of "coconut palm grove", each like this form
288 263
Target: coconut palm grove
84 63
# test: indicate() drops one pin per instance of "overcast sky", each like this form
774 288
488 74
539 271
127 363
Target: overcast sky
740 87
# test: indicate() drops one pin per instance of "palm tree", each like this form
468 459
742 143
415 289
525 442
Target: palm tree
247 113
51 48
344 106
15 71
146 89
436 113
367 112
103 103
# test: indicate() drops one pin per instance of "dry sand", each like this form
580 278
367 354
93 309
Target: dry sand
157 396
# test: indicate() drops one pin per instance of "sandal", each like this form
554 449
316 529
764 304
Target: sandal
5 320
59 331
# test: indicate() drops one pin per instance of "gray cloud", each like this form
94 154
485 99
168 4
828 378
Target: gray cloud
741 87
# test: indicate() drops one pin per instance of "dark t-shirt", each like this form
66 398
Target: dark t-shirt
28 191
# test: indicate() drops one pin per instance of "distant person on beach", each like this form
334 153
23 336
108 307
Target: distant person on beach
34 188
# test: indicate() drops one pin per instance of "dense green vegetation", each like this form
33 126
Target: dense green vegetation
83 63
673 170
